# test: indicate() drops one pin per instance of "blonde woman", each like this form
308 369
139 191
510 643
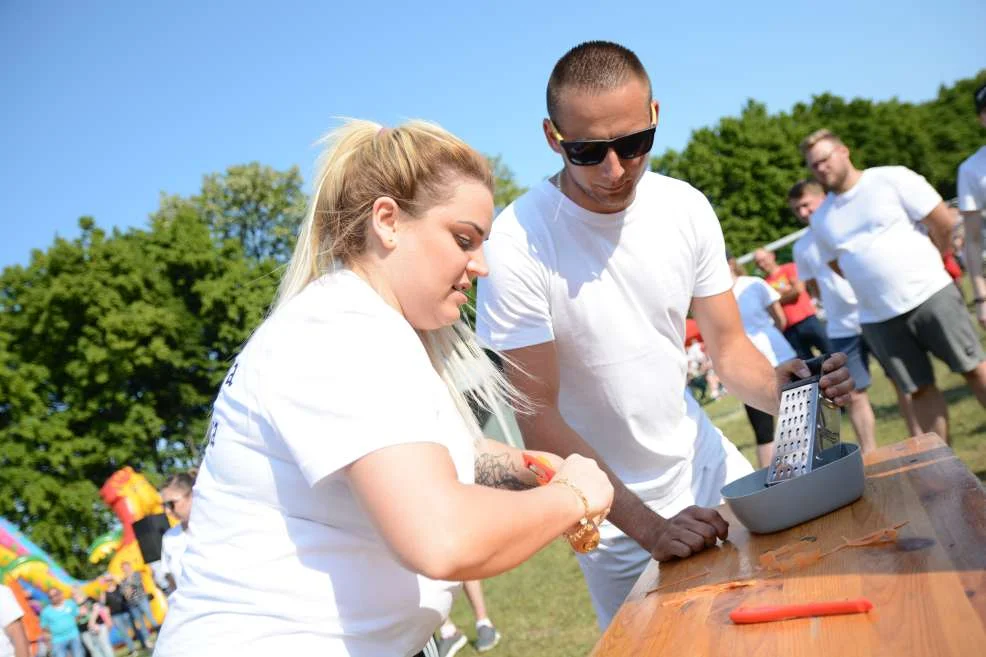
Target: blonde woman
335 504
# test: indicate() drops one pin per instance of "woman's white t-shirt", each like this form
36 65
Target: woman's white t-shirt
753 296
281 557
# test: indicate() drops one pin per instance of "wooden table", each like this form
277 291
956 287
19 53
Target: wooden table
928 588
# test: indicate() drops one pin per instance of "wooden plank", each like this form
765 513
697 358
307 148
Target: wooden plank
929 589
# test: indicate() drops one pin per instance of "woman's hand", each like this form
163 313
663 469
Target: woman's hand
587 476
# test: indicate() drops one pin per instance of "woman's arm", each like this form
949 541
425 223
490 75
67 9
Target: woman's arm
501 466
444 529
777 314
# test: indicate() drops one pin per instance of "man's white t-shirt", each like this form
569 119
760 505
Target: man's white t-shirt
753 296
612 292
10 612
173 545
838 297
281 557
872 231
972 182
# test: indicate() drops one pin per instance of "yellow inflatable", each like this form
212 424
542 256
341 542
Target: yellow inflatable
131 497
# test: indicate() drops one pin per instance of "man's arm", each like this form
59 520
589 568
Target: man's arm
974 260
18 638
741 367
940 222
811 286
534 371
750 376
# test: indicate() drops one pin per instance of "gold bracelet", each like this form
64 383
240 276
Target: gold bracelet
585 502
586 537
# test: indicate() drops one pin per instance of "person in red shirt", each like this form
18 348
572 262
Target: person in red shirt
804 330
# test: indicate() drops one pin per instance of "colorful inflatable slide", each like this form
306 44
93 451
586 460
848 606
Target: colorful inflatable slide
131 497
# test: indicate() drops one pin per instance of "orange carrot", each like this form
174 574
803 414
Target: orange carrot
769 613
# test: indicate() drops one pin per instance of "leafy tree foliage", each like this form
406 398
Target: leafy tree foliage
111 349
256 205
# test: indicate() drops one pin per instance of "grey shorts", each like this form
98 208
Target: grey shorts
941 325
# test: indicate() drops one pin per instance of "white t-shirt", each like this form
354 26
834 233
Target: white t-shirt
281 557
173 545
838 297
753 296
872 230
972 182
612 292
10 611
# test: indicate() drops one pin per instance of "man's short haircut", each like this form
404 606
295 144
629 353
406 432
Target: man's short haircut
803 187
593 66
819 135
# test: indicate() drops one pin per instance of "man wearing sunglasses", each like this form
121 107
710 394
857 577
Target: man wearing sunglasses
591 277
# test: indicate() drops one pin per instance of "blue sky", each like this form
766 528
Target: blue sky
107 104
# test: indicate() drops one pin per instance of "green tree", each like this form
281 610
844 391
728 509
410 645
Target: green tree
111 350
256 205
506 189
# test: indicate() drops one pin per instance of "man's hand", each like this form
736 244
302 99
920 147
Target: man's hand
836 383
688 533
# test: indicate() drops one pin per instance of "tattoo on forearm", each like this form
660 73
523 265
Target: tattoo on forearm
497 471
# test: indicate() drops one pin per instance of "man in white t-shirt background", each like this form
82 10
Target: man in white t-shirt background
972 204
842 316
591 277
867 231
13 639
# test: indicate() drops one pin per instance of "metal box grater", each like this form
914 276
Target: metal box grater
807 425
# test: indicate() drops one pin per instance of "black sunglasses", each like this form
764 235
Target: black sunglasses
170 504
590 152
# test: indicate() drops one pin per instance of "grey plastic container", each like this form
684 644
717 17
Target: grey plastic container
836 482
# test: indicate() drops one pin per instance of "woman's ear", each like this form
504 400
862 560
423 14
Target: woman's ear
384 218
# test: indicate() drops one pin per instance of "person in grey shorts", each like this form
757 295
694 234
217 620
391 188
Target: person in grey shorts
867 231
939 325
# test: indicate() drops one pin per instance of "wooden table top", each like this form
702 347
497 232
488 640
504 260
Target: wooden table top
928 589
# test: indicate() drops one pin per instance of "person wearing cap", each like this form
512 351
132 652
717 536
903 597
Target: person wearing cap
592 274
868 231
972 205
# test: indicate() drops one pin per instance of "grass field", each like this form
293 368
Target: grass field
542 608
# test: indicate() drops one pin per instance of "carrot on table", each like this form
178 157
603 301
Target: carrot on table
769 613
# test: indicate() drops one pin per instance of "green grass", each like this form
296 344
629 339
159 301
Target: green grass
542 608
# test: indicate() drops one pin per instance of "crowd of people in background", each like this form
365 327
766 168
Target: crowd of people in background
79 625
883 257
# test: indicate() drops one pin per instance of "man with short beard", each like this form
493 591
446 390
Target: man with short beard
866 230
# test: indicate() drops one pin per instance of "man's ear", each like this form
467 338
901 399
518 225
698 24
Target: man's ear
549 135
